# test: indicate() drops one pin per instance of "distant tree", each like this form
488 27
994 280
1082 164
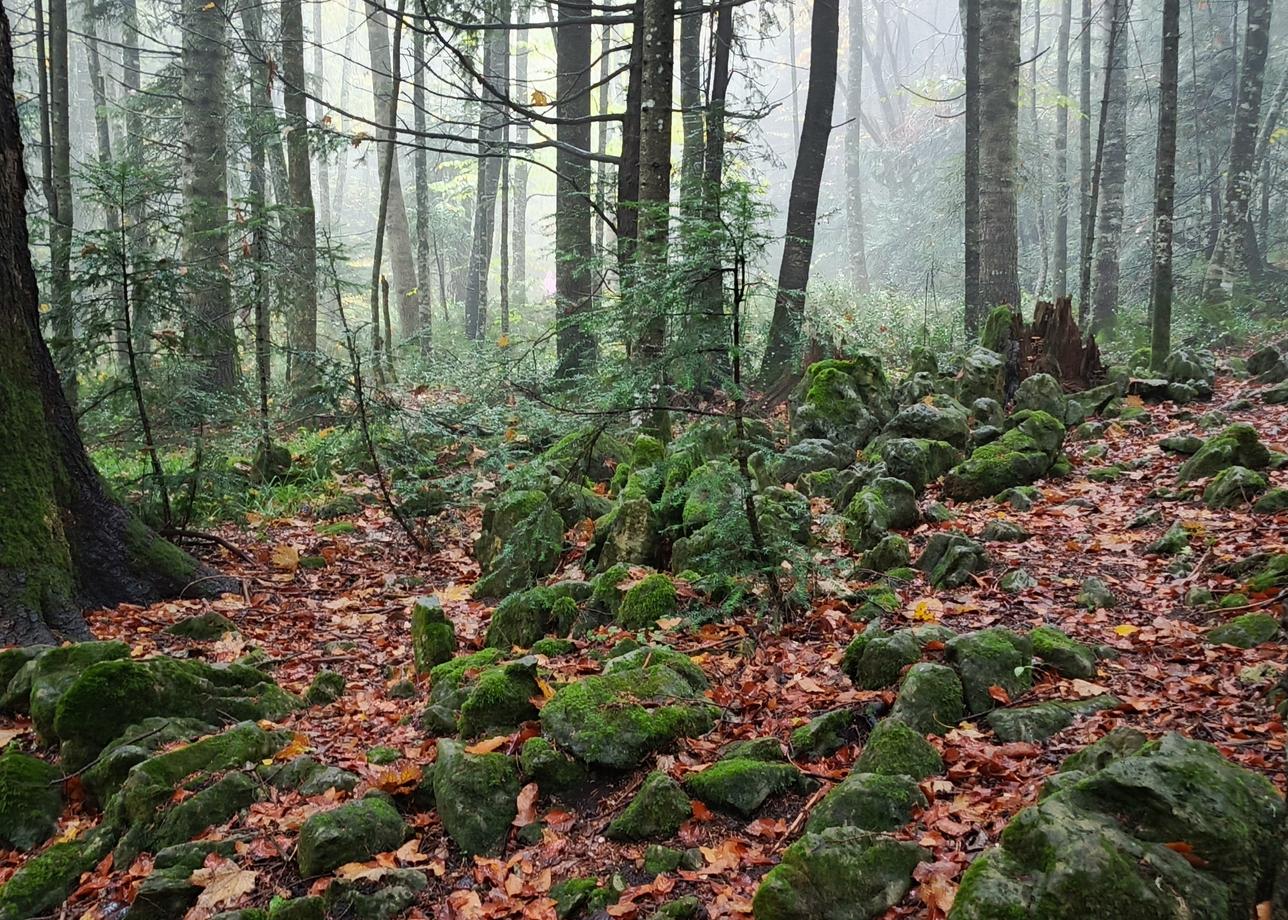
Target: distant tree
999 88
974 312
1060 245
65 544
1113 173
61 213
1160 297
302 310
858 261
782 350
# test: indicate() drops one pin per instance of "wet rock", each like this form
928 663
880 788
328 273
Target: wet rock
1042 720
476 797
742 785
31 800
930 700
204 627
433 638
1068 657
1003 532
1019 457
553 771
1246 631
521 540
950 558
1095 595
823 735
1238 445
326 687
991 658
895 749
1234 486
868 801
658 810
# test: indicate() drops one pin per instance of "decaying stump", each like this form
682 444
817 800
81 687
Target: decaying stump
1051 344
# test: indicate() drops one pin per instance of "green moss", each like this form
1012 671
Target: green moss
869 801
657 810
500 700
647 655
39 684
652 599
30 800
1119 743
381 755
455 672
741 785
553 648
823 735
1274 574
991 658
930 699
433 638
1042 720
205 627
43 882
893 748
162 561
523 618
605 594
877 662
135 745
327 687
1238 445
179 822
553 771
1246 631
1067 656
353 832
475 796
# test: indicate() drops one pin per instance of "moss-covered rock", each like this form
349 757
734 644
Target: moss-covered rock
376 899
433 637
1246 631
1020 456
895 749
648 655
631 534
982 376
181 821
999 531
930 700
918 461
841 873
1020 498
38 684
616 720
1272 575
812 455
1042 392
935 418
1016 580
326 687
1274 501
890 552
652 599
950 559
1068 657
658 810
822 735
1042 720
44 881
1117 744
135 745
521 540
475 795
991 658
526 616
11 662
1174 542
874 659
111 695
843 400
204 627
31 799
884 505
869 801
353 832
552 770
1234 486
1238 445
307 776
742 785
1095 594
500 700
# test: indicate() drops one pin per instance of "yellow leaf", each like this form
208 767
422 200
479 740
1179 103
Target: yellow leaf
546 690
286 557
503 342
1134 401
926 609
539 98
488 746
1126 629
355 871
208 6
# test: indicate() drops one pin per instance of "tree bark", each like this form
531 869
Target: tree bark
61 216
1160 296
65 544
401 257
421 162
302 311
783 347
1060 245
323 120
858 262
1084 154
1113 178
574 287
1089 223
209 334
628 169
519 192
999 108
1229 264
691 106
970 255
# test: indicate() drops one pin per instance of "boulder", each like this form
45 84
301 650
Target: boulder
31 799
950 558
884 505
1263 359
988 413
1017 580
812 455
1019 457
307 776
631 534
326 687
1274 501
874 659
617 720
1042 720
823 735
982 376
999 531
1234 486
647 655
1193 366
1246 631
653 598
843 400
352 832
1042 392
741 785
869 801
382 898
433 638
174 822
136 744
930 700
1068 657
43 882
657 810
39 683
450 685
841 873
895 749
890 552
527 616
521 540
1238 445
552 770
918 461
476 797
1117 744
935 418
991 658
500 700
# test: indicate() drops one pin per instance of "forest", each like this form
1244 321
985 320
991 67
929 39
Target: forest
643 460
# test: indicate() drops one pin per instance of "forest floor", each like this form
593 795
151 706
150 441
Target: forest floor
352 616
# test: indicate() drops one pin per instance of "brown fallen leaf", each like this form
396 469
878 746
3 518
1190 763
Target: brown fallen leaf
222 882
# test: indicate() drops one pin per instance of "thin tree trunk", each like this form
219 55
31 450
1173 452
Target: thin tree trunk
1230 262
1268 125
61 216
388 164
1160 296
999 109
422 195
302 311
1093 194
132 78
970 256
574 285
519 194
1060 256
1113 179
601 145
628 169
1039 179
783 347
210 335
346 72
858 261
691 106
322 119
1085 208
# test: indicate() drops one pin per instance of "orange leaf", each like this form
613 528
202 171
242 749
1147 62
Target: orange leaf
527 804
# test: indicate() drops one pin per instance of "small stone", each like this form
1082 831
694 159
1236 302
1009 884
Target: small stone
353 832
1017 580
327 687
930 699
658 810
433 638
1068 657
742 786
823 735
1246 631
1095 595
893 748
1003 532
205 627
868 801
1233 487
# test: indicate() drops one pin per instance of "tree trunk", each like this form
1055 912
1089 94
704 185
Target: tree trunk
492 118
1268 125
60 218
1160 295
132 79
519 192
422 194
1113 178
574 285
628 169
66 544
1084 155
302 311
999 88
346 71
1089 222
970 253
858 262
401 258
783 346
691 106
322 119
1060 246
1044 255
209 334
1229 264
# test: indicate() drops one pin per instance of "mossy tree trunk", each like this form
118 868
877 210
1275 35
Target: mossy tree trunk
64 543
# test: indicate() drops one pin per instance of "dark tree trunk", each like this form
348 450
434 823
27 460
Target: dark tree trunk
1060 247
999 109
574 283
519 191
60 218
302 310
65 544
691 105
628 170
802 209
1160 295
1089 222
853 151
970 254
210 335
1229 264
1084 153
1113 178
